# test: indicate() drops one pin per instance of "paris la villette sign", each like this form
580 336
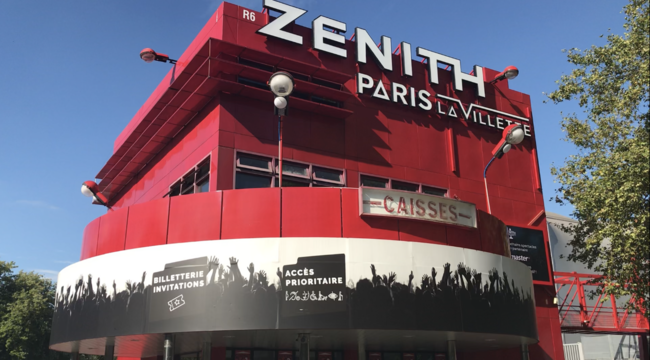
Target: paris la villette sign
322 31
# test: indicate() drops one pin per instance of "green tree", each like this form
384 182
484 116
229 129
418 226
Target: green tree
26 309
608 180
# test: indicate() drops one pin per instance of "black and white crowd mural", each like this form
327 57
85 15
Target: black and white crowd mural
289 283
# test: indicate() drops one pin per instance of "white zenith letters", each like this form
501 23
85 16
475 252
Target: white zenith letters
382 54
321 35
274 28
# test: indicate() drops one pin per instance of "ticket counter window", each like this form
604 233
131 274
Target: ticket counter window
312 354
242 355
392 356
330 355
285 355
263 355
430 356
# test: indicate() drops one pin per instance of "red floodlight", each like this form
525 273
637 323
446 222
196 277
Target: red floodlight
512 135
510 72
149 55
90 189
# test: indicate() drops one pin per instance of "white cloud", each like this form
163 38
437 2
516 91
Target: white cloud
49 274
37 204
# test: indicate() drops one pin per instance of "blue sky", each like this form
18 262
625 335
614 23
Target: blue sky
72 80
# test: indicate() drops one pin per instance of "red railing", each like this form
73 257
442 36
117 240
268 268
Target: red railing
588 316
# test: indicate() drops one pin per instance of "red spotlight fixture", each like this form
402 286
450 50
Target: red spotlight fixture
510 72
512 135
90 189
148 55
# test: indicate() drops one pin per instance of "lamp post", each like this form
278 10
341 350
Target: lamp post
281 84
90 189
512 135
148 55
510 72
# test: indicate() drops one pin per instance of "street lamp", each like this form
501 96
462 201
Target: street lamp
512 135
148 55
510 72
90 189
281 84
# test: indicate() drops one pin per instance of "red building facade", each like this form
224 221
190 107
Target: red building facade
195 172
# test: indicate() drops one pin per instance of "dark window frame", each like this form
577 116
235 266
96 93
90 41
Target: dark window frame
273 172
389 184
182 186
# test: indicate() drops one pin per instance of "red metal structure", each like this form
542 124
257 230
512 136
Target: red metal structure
216 114
601 316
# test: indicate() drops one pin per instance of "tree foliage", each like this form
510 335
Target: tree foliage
608 180
26 309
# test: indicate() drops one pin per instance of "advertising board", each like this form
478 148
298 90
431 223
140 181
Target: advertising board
527 246
289 283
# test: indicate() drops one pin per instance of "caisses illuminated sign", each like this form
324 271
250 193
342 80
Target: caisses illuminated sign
402 204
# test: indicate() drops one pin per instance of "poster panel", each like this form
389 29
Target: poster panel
288 283
527 246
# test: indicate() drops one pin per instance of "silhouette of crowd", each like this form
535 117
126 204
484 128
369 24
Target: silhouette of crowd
459 300
90 311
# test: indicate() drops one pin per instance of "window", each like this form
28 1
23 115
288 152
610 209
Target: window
371 181
254 171
434 191
263 355
253 83
197 180
296 94
256 64
330 102
399 185
328 84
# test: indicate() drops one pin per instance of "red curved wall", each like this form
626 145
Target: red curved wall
296 212
255 213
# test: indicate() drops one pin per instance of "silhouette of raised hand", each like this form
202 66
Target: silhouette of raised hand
251 268
213 262
233 260
433 273
461 269
279 273
447 268
262 277
391 277
425 281
411 276
374 271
